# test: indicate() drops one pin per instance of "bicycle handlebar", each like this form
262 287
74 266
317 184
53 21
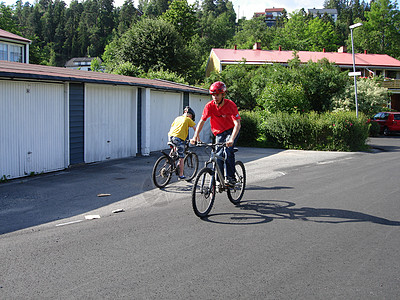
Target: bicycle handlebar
200 144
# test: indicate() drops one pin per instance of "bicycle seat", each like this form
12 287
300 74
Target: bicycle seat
235 149
171 144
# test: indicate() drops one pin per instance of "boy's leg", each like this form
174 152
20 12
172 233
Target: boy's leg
180 145
181 165
219 139
230 154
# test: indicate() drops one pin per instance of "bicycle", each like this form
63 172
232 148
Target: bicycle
209 181
167 164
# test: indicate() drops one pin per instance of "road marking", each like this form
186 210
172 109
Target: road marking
68 223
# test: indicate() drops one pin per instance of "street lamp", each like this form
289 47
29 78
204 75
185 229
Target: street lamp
354 63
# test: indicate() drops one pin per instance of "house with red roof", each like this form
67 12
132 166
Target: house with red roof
367 64
14 47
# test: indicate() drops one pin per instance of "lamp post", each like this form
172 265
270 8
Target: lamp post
354 63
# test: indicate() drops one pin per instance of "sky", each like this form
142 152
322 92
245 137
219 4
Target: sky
242 8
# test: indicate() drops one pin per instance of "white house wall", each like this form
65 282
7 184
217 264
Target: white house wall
110 122
32 128
164 108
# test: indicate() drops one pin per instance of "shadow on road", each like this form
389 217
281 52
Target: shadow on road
32 201
385 143
264 211
263 188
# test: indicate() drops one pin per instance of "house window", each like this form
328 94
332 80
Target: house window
15 53
11 52
3 51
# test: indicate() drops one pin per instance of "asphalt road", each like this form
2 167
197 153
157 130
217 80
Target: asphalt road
312 225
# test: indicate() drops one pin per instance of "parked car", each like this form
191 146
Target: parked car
388 121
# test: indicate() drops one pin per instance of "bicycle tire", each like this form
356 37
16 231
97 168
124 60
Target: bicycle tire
162 172
235 194
203 192
191 164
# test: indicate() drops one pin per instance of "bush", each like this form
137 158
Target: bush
340 131
249 131
374 129
287 130
287 97
371 97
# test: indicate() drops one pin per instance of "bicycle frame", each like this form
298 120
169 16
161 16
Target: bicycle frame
174 158
215 167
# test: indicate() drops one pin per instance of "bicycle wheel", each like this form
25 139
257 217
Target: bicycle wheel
235 194
191 164
162 172
203 192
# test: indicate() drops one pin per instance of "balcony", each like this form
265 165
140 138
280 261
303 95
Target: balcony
392 84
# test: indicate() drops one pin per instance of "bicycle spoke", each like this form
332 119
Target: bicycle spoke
162 172
191 164
235 194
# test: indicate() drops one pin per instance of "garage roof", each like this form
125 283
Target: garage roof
16 70
8 36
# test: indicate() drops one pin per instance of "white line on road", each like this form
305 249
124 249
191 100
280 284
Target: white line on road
68 223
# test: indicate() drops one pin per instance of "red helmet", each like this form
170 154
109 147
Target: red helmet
217 87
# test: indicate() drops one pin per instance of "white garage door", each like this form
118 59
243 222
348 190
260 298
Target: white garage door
164 108
110 122
32 128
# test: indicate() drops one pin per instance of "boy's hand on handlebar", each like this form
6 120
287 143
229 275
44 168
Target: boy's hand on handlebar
229 143
193 141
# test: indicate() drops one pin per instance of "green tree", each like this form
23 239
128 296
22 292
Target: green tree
238 81
72 17
251 31
321 35
165 75
95 65
293 36
321 81
153 8
381 30
7 21
127 16
183 17
150 44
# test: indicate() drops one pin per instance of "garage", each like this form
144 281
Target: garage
164 108
32 128
110 122
52 118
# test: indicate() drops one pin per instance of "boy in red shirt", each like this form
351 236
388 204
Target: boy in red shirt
225 125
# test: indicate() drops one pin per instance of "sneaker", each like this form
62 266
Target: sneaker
182 177
230 181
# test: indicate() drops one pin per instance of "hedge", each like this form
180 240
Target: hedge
338 131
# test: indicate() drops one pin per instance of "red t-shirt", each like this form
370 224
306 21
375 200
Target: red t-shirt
221 118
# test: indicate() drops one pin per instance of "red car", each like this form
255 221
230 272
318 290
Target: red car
388 121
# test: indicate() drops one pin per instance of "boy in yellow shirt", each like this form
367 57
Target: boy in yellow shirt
179 133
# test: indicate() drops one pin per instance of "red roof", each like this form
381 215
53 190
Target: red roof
11 36
275 56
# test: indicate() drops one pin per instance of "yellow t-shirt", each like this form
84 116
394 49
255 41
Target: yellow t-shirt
180 127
